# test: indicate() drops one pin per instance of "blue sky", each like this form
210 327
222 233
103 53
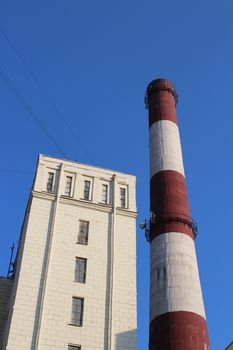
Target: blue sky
94 59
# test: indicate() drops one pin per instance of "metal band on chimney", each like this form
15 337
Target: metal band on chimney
158 85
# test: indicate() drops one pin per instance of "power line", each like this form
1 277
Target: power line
38 83
33 115
16 171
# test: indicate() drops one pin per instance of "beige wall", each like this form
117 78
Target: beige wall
42 296
5 291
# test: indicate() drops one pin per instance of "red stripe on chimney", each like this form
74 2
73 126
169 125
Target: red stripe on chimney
160 99
169 201
179 330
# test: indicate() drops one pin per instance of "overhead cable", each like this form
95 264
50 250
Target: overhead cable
38 83
16 171
33 115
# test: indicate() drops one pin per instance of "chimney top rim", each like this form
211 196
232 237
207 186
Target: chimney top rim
160 85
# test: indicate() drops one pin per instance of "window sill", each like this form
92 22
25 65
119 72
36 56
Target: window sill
86 200
81 243
75 325
49 192
105 204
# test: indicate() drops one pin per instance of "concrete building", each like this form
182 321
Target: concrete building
75 276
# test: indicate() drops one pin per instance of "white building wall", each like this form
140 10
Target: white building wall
5 292
43 298
30 275
125 281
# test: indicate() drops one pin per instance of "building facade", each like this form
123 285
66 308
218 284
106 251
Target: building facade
75 277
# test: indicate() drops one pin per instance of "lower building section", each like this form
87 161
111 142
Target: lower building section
180 330
75 276
5 293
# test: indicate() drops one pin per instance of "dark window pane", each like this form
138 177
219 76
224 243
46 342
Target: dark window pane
122 197
80 270
68 186
105 194
86 194
49 186
83 232
74 347
77 311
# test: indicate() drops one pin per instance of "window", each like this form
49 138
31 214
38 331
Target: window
158 274
49 186
105 194
74 347
122 197
164 272
80 270
83 232
87 186
68 186
77 311
161 273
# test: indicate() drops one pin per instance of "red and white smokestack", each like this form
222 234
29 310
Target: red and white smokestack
177 314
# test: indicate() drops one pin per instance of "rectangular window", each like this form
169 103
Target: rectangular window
49 186
105 194
83 232
68 186
122 197
87 186
77 311
80 270
74 347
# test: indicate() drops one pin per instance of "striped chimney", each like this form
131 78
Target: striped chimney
177 314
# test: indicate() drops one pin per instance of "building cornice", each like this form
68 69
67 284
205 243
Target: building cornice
84 204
